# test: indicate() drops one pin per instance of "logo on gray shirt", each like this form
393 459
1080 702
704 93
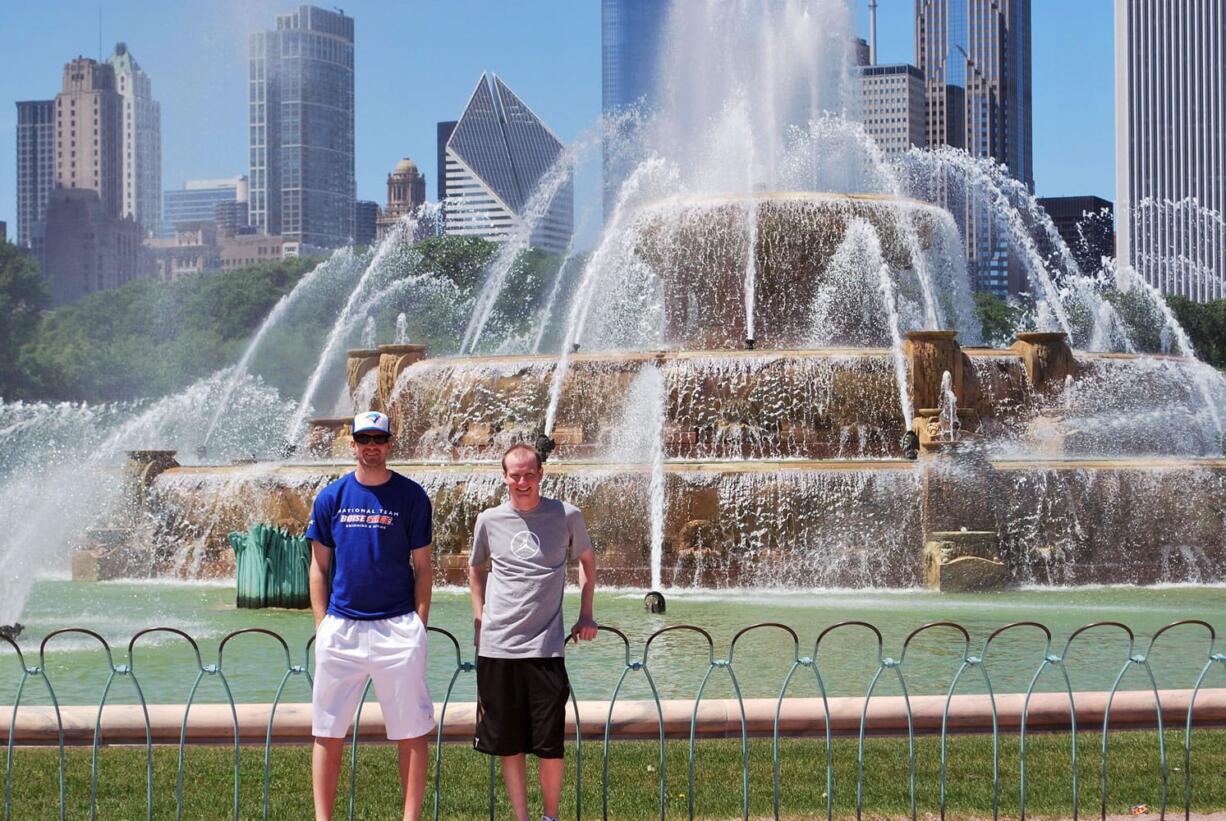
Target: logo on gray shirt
525 544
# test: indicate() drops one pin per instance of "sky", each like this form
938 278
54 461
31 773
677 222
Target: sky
417 62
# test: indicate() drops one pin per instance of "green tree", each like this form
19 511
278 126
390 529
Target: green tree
150 338
1205 323
998 317
23 296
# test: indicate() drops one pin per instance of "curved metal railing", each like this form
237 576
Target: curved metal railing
279 658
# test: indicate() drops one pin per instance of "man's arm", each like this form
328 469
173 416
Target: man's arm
476 586
585 627
321 560
423 581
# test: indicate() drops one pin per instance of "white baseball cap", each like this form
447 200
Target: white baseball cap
372 421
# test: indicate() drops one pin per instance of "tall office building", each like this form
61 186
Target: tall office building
1170 136
496 156
301 128
892 106
365 222
89 133
35 170
631 32
88 248
443 134
89 245
975 58
142 142
198 201
1086 226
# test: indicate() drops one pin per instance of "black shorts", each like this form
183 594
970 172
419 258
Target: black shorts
521 706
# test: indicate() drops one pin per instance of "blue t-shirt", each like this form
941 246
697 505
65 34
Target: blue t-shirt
372 529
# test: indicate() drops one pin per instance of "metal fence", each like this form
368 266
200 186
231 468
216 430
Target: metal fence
973 662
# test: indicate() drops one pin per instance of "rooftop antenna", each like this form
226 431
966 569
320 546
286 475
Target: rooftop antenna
99 32
872 32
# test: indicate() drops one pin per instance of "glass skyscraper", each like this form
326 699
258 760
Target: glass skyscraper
975 56
301 134
630 43
496 156
35 169
630 33
197 201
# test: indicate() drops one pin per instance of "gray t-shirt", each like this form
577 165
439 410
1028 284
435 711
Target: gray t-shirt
523 594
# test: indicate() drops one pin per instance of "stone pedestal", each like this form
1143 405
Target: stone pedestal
106 554
962 561
362 361
392 360
143 467
1047 357
329 437
930 354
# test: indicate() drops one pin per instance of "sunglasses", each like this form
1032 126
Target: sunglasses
371 438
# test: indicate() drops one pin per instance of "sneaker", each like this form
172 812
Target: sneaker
548 818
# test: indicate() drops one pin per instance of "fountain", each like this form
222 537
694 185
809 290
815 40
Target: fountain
769 371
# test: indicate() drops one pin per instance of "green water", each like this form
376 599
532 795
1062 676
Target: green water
255 664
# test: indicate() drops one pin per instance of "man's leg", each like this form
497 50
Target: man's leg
325 769
413 763
514 775
551 785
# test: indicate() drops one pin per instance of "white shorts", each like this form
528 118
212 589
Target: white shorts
392 653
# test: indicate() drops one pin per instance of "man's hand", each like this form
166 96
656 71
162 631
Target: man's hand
584 629
477 633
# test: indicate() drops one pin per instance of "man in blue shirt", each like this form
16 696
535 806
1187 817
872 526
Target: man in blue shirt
375 525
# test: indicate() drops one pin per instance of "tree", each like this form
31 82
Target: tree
23 296
1205 323
150 338
998 317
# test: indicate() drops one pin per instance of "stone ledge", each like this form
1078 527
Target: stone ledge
717 718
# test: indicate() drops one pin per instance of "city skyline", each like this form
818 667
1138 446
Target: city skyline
550 52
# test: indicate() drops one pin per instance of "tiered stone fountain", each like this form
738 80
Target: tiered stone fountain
782 462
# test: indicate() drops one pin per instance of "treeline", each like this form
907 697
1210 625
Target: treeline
152 338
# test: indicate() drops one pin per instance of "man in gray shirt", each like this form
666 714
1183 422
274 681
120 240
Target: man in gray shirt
522 687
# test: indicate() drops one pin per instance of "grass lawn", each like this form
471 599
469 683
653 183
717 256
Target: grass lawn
1134 778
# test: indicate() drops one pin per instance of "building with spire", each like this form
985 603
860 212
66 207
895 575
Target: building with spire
496 156
142 142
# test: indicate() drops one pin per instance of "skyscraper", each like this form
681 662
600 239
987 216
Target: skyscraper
975 57
630 32
35 169
892 105
142 142
630 46
1170 135
301 115
496 156
1085 225
198 201
89 133
440 179
365 222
